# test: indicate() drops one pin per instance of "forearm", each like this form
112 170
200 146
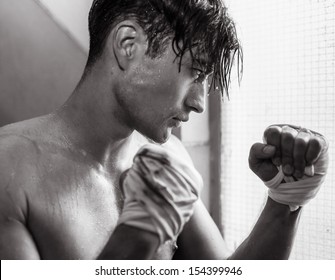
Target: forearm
273 235
130 243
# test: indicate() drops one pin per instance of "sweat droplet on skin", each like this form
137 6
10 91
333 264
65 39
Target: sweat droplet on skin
84 153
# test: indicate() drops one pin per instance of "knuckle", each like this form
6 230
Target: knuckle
289 131
272 132
305 135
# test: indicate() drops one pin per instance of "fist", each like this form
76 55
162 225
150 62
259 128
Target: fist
294 148
160 190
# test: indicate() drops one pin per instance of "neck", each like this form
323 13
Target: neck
91 119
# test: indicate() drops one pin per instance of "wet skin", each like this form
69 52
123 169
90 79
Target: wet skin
65 203
59 174
62 195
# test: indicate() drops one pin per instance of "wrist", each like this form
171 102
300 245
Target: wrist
280 209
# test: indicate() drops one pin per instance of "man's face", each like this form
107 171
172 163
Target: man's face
156 96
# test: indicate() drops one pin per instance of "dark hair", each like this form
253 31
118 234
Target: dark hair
198 26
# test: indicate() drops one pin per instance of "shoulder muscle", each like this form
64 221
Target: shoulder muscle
16 241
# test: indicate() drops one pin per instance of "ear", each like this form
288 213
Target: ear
129 43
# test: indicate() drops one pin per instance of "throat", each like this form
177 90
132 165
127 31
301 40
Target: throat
92 128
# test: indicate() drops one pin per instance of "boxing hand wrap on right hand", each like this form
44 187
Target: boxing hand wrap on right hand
160 190
298 193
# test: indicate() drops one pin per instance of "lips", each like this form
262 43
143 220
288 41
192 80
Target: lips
182 118
176 122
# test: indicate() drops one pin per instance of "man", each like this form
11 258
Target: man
60 196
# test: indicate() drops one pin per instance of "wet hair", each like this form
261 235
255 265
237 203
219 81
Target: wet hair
202 27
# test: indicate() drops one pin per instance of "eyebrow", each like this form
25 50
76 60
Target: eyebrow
200 60
204 63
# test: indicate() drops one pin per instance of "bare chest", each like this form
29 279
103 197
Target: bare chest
72 216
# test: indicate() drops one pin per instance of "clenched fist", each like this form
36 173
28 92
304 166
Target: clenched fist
160 191
292 162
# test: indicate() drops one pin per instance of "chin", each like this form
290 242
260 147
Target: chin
161 137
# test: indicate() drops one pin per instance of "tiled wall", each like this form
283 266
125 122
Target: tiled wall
289 77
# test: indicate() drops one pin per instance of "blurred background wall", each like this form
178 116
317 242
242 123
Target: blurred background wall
40 63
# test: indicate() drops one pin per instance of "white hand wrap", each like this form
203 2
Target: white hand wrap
160 190
298 193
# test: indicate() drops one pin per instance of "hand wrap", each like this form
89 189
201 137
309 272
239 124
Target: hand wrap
160 190
298 193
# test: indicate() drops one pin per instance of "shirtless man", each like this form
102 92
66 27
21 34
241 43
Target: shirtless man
148 65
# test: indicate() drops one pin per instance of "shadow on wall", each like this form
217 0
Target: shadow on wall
40 64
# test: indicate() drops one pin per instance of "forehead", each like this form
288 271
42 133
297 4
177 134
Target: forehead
196 56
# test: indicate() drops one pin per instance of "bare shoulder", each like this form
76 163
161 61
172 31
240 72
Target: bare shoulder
17 154
15 147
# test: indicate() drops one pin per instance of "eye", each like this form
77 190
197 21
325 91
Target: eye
200 75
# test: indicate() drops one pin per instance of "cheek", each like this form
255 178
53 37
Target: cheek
160 97
172 91
153 94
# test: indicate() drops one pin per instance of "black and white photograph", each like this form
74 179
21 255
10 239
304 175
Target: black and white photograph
167 130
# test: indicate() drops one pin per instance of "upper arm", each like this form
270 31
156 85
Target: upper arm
201 238
16 242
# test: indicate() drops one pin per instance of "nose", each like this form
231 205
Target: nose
195 99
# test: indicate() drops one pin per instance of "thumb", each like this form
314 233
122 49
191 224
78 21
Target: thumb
260 161
261 151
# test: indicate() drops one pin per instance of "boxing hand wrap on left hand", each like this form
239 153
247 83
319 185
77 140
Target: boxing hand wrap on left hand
298 193
160 190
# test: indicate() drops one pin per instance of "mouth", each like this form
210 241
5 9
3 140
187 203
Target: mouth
178 120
